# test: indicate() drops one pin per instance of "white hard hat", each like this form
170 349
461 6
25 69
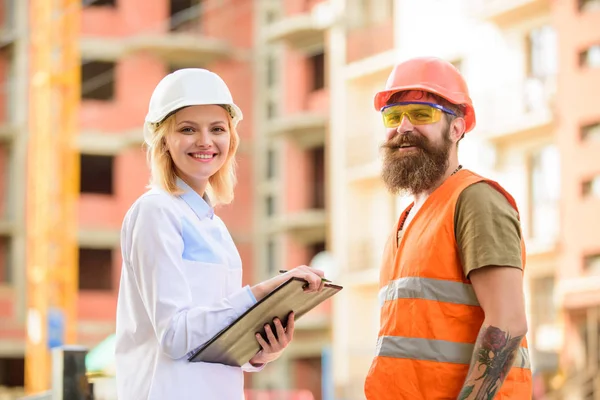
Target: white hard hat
188 87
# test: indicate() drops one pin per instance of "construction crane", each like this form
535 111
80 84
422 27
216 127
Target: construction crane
52 185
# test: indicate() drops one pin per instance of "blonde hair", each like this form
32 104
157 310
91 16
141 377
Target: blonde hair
162 168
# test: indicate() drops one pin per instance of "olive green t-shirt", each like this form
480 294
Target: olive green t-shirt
487 229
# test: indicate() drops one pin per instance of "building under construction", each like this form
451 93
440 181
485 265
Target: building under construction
303 72
533 69
124 48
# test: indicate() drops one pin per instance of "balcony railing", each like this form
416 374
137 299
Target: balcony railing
504 12
307 226
186 40
303 30
191 37
363 42
306 129
512 108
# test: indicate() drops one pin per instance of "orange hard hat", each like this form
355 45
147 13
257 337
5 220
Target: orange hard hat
432 75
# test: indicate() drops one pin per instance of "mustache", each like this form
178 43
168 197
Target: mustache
405 139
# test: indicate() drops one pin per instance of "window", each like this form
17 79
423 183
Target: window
358 12
5 260
7 21
308 374
271 257
271 109
184 14
317 65
271 70
542 300
542 54
97 80
589 5
315 249
95 269
591 187
270 16
12 372
381 11
270 205
271 163
96 174
99 3
590 57
366 13
178 6
545 194
8 79
459 64
318 163
591 133
591 263
585 320
5 174
170 68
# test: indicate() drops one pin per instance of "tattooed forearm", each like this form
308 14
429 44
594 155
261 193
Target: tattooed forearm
493 356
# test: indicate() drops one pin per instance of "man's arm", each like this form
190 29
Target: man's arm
488 235
500 294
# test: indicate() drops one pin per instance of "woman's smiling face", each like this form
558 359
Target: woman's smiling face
199 143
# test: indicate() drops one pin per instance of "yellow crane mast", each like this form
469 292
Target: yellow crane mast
52 184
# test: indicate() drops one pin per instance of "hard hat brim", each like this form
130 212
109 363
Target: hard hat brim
155 118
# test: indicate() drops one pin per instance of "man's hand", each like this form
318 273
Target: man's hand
500 294
273 346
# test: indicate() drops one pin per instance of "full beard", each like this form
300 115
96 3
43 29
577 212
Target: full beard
416 171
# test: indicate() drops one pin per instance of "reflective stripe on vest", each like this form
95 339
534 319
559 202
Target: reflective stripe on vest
436 350
431 349
429 289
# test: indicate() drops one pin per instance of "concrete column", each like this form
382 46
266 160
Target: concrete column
18 176
336 194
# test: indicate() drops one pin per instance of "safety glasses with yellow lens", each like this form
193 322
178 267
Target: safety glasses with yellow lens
418 113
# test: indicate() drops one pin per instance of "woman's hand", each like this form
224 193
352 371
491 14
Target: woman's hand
310 275
314 277
274 345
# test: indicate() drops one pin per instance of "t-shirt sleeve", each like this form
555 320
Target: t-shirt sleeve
487 229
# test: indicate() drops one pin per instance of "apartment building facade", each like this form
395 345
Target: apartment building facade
578 286
126 46
291 210
511 55
13 120
363 51
519 122
546 156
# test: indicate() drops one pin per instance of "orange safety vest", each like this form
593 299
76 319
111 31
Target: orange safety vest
430 316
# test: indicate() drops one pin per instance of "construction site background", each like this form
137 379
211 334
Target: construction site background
75 80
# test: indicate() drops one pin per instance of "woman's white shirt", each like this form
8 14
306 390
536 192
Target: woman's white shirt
181 283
